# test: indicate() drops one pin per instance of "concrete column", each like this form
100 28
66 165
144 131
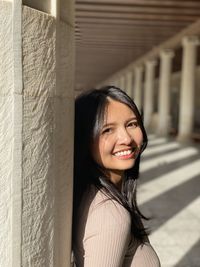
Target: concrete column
148 90
186 113
129 83
164 92
137 92
111 82
122 83
116 82
36 133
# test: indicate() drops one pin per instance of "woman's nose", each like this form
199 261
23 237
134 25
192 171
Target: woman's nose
124 137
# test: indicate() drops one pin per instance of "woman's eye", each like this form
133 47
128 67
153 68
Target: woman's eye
107 131
133 124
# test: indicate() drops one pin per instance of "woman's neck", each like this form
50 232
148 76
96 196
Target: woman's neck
116 177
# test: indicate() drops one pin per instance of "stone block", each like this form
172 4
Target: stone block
38 182
64 182
39 39
47 180
65 62
17 178
6 48
6 172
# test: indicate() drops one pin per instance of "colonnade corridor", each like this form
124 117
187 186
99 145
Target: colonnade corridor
169 193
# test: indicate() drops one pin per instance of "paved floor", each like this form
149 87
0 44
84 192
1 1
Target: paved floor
169 193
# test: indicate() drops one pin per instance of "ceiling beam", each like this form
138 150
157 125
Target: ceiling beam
139 9
140 2
135 16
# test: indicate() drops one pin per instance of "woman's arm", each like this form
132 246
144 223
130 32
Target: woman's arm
107 235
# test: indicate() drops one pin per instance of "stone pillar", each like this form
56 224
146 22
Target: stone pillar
164 92
148 91
186 113
137 92
129 83
111 82
122 83
36 133
116 83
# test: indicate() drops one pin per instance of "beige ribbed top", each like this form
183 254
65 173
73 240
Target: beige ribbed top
103 236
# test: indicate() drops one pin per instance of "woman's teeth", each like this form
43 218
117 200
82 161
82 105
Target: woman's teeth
123 153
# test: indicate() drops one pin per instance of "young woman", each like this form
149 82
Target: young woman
109 139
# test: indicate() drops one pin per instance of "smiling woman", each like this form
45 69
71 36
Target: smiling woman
119 141
109 138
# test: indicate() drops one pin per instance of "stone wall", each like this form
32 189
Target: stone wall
6 132
36 137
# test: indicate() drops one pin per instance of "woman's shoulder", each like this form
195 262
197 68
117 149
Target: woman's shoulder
100 206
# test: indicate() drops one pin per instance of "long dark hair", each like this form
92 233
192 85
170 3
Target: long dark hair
90 109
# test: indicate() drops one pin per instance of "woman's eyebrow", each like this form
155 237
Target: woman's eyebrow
132 119
109 124
115 123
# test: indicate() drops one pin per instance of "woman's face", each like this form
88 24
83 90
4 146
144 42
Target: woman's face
119 140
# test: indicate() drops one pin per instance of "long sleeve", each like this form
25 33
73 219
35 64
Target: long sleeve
107 236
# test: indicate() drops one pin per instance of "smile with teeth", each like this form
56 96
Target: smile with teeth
123 153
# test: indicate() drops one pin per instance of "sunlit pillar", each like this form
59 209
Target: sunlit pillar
36 140
112 82
129 83
149 90
137 92
117 83
164 92
122 82
186 113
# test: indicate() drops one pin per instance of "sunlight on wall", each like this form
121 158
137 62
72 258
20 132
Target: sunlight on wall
54 8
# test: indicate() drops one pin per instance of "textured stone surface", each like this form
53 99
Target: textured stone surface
39 78
38 182
64 171
6 133
66 61
6 148
6 56
39 33
36 138
47 140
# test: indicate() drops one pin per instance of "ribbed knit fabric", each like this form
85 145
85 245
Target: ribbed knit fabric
103 236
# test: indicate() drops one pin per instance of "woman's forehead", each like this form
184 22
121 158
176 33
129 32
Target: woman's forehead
117 110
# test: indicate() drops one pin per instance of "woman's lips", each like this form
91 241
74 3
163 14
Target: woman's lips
125 154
